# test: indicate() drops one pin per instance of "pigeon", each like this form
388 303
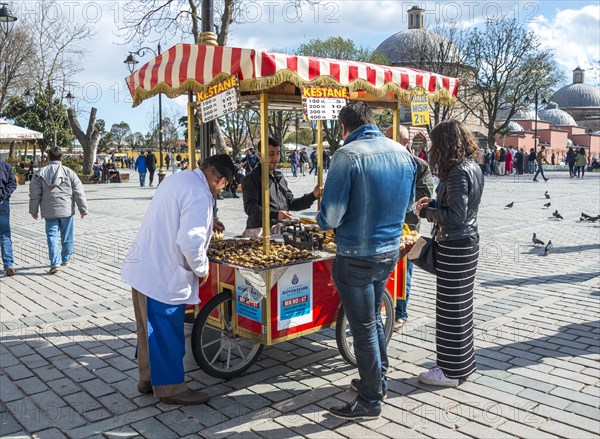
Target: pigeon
547 195
557 215
548 248
537 241
509 205
548 204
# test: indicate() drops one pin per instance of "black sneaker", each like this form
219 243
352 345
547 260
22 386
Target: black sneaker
354 410
355 383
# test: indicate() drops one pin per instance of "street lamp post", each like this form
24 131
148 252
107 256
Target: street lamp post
131 61
536 104
7 21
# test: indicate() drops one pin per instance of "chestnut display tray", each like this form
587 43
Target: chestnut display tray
321 256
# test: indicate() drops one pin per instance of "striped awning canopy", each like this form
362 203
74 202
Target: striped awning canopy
192 67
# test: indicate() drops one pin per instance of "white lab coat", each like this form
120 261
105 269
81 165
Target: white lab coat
169 252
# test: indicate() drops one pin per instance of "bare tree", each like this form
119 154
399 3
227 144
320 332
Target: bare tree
440 50
236 129
511 64
14 51
88 140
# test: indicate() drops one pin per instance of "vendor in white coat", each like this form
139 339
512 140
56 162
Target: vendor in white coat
163 265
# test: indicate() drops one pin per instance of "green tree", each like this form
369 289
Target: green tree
344 49
305 136
45 114
512 63
119 133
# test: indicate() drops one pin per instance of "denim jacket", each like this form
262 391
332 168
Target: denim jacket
370 185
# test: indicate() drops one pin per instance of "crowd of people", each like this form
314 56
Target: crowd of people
505 161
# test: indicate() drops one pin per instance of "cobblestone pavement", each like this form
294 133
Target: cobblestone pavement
67 353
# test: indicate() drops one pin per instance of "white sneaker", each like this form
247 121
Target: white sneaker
436 377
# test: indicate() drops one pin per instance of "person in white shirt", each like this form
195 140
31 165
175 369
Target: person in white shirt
163 267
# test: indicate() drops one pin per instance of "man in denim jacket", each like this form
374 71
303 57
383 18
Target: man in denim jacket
368 219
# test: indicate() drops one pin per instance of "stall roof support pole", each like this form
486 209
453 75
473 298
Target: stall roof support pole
191 132
320 157
396 124
264 163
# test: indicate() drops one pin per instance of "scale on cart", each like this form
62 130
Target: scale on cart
246 308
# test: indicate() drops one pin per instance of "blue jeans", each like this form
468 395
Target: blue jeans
531 167
540 170
142 178
361 283
5 241
62 227
401 312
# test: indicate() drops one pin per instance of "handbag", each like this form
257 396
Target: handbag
424 254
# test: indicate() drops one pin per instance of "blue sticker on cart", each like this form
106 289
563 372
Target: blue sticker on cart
248 299
294 306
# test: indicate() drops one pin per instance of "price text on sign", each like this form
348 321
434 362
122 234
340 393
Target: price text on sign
419 108
219 99
323 103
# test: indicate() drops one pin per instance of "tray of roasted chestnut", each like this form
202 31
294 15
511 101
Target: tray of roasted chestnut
248 253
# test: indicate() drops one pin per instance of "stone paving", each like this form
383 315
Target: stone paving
67 353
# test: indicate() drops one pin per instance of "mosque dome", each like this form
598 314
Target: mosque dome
522 114
578 94
408 46
514 126
556 116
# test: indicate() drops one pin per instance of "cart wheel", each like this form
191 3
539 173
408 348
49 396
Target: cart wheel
343 336
217 350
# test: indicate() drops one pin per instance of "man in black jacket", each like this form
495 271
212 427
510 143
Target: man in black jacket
281 198
151 165
424 188
8 184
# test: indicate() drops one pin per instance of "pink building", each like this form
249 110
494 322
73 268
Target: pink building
556 138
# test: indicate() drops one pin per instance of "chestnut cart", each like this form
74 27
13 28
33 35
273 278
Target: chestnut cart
242 310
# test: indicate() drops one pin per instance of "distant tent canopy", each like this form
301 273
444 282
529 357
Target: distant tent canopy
14 133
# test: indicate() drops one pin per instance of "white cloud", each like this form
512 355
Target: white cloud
573 34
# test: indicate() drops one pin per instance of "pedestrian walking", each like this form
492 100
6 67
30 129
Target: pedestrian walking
8 184
151 165
54 192
539 158
140 167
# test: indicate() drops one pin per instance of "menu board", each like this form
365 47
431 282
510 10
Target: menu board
323 103
219 99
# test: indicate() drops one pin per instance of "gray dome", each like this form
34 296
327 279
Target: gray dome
577 95
413 45
514 126
556 116
522 114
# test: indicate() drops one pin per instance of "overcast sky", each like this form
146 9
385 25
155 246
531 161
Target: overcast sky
571 28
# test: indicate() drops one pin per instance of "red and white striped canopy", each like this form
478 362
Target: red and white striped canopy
192 67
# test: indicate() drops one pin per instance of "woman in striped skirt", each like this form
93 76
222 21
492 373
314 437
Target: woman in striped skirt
453 157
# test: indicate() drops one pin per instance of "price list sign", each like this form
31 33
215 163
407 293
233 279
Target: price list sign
219 99
323 103
419 108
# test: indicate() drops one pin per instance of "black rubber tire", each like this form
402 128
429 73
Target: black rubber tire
342 330
210 345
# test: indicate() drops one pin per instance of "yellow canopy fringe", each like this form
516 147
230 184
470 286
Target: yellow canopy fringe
441 96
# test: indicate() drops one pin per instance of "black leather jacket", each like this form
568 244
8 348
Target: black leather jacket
455 210
281 198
